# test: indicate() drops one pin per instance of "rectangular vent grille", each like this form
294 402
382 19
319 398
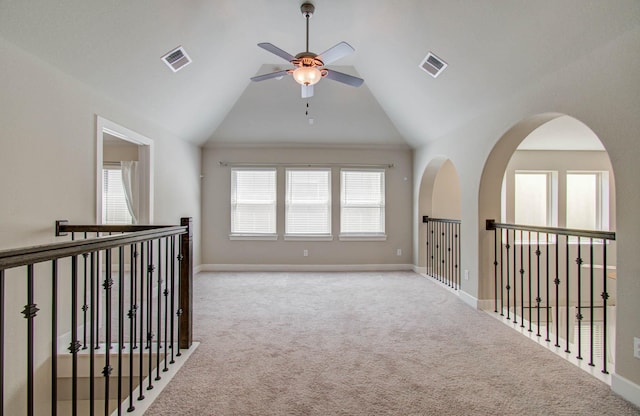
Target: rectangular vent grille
176 59
433 65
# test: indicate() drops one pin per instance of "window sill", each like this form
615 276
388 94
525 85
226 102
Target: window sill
308 237
253 237
363 237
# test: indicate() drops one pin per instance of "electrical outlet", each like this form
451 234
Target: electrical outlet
305 252
636 347
466 275
399 252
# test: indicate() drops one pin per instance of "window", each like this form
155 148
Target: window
308 202
362 203
588 200
253 202
114 203
535 202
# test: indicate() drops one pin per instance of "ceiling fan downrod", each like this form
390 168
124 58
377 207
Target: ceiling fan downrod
307 10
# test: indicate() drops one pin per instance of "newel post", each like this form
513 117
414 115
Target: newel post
186 284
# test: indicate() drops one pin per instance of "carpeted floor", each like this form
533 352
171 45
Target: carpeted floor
388 343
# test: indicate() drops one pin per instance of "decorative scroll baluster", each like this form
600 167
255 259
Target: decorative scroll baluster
507 247
568 308
166 303
173 296
141 321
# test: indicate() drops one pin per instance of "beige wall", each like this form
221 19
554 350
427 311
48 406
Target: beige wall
219 250
48 172
446 193
481 149
117 152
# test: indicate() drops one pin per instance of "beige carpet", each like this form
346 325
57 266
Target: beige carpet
389 343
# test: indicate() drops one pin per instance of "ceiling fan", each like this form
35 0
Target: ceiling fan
309 67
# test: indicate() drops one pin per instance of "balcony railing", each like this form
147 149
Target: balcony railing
557 283
443 250
122 303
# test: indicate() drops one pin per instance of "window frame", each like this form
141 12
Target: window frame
308 236
246 235
381 205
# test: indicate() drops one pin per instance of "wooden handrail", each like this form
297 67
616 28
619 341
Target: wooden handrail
604 235
37 254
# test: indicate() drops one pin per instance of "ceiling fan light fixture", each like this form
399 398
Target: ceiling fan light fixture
307 75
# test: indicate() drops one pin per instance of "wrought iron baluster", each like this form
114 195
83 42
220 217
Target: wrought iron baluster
495 270
605 296
508 278
173 296
158 314
579 316
54 337
530 282
501 275
120 322
547 286
2 343
166 304
556 281
568 303
149 287
74 347
106 370
85 306
591 302
521 279
132 321
141 322
538 299
93 291
515 280
30 311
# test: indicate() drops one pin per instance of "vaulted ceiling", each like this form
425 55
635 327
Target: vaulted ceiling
494 49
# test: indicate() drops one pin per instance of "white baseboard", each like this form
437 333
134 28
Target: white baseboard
198 269
626 388
303 267
468 299
419 270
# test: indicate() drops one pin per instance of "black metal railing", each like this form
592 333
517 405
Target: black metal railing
142 274
556 282
443 250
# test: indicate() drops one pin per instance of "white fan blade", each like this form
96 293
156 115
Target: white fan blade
307 91
269 76
276 51
336 52
344 78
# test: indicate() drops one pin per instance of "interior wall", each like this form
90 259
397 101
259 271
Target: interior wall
47 172
218 249
119 152
609 106
446 193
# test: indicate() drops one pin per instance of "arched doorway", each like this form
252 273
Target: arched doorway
548 179
439 198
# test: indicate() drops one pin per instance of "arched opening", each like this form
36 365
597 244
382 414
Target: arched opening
439 198
549 173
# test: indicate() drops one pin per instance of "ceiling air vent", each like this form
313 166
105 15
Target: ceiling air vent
433 65
177 59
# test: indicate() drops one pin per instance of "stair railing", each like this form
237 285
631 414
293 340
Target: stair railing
144 276
443 250
556 282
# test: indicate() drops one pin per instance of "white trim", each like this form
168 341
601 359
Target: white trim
363 237
468 299
145 156
197 269
307 237
419 270
626 388
253 237
303 267
486 304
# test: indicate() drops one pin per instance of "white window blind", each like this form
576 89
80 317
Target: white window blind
253 201
308 202
587 200
114 203
362 202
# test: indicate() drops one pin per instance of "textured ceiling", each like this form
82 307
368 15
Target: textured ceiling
494 48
